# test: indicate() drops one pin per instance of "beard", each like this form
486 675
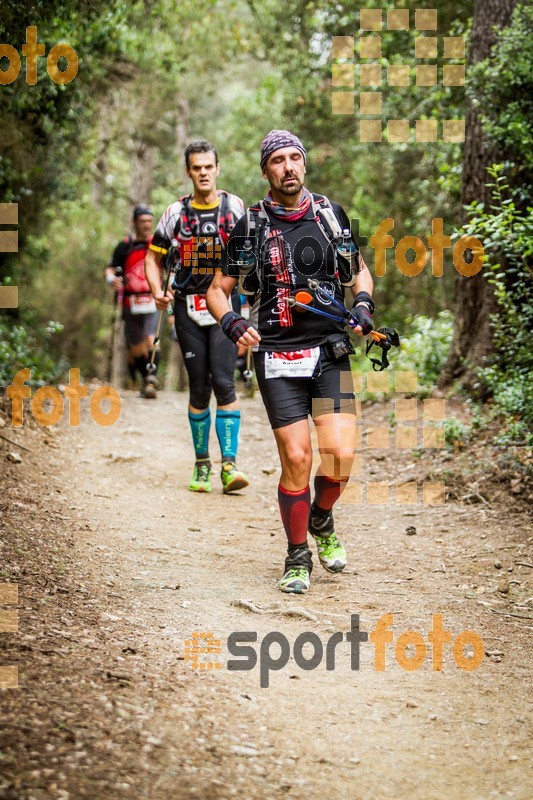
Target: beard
295 188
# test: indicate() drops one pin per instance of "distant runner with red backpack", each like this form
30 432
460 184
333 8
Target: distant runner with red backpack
126 274
199 224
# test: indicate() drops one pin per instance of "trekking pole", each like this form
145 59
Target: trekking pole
294 302
384 337
323 296
114 319
151 367
388 338
248 373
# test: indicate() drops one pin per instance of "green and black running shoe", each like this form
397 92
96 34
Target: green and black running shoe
298 568
200 478
232 478
331 552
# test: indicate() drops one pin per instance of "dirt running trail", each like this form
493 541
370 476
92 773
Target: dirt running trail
159 562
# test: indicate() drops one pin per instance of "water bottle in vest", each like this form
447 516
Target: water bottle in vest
346 247
246 256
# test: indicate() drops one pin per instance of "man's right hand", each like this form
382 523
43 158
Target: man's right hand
250 338
237 329
114 280
162 301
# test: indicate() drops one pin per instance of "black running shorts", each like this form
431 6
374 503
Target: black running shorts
139 326
289 400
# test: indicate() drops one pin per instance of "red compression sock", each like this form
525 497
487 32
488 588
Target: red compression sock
327 491
294 509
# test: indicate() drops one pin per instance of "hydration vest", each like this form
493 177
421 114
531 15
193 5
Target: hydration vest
187 235
259 223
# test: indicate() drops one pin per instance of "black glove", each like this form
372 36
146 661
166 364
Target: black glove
363 313
233 325
363 318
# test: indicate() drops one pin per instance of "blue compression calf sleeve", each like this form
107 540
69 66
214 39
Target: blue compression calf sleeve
200 427
227 424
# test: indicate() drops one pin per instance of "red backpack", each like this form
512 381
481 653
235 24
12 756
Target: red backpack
133 269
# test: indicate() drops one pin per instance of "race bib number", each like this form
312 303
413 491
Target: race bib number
197 310
292 364
142 304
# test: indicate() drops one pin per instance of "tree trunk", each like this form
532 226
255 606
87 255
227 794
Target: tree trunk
108 110
176 377
100 162
119 353
142 170
475 301
182 124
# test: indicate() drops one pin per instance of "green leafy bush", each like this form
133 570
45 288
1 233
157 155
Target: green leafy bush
424 348
456 433
424 344
24 345
507 235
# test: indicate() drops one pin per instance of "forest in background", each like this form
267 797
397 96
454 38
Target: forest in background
155 75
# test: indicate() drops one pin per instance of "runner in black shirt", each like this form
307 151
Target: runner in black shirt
201 223
301 358
307 254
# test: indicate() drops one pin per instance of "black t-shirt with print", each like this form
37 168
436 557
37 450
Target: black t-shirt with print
199 247
294 252
208 240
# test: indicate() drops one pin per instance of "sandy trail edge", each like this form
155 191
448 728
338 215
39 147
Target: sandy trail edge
162 729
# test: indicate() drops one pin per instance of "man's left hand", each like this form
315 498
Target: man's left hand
363 316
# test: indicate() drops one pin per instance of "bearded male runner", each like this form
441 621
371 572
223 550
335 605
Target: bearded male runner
290 238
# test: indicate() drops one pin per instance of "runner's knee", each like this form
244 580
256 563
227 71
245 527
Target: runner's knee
336 462
295 457
139 349
199 393
224 390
